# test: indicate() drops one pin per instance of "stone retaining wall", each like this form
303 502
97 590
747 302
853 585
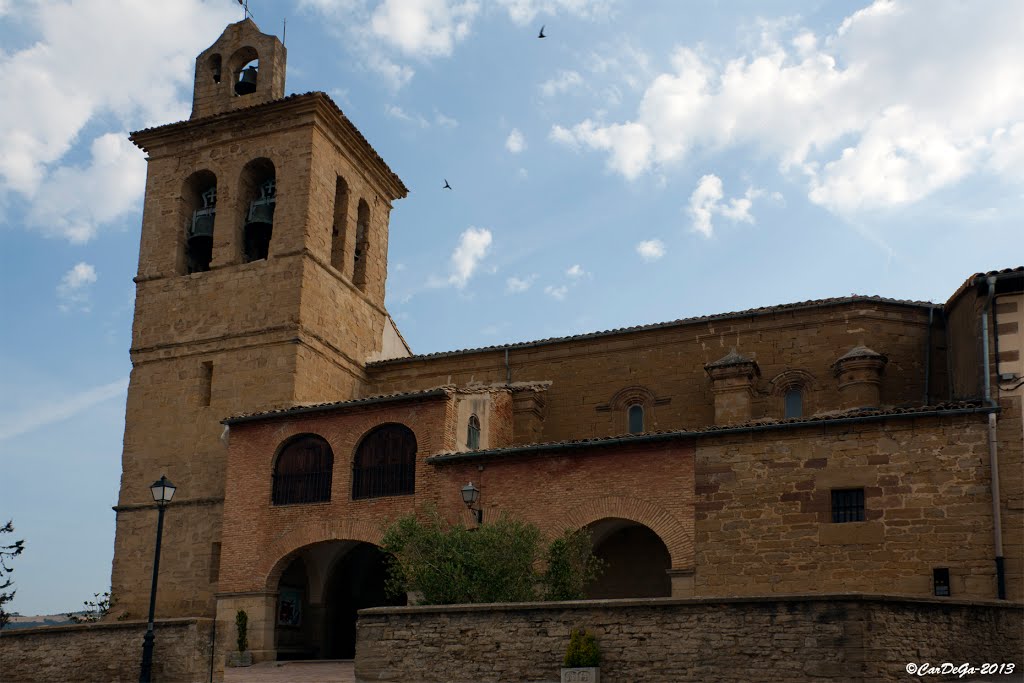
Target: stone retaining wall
851 638
106 652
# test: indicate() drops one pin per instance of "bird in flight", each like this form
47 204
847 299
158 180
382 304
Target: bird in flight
446 185
541 34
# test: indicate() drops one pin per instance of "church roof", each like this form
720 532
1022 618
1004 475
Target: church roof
834 418
763 310
338 405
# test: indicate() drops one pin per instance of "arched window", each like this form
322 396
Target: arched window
362 248
339 230
199 195
794 403
385 463
258 191
245 65
302 473
636 418
473 433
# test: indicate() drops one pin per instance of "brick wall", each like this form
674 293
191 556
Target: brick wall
106 652
847 638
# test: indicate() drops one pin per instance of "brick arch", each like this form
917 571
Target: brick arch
670 530
284 549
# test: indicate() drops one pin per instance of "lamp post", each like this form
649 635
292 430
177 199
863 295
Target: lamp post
470 496
163 491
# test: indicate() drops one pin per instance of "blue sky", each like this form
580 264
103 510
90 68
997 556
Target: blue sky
644 162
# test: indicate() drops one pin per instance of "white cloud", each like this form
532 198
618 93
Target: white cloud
61 408
396 112
706 201
515 142
472 247
525 11
74 73
72 202
575 271
911 114
423 28
73 290
445 121
394 75
651 250
516 285
558 292
565 80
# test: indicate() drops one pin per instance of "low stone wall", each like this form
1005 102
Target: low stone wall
106 652
852 638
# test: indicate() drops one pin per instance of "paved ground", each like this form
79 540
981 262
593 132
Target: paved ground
293 672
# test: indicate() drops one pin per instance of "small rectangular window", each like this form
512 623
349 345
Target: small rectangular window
940 579
206 386
848 505
214 562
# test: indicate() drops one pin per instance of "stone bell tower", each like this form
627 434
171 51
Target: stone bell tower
262 265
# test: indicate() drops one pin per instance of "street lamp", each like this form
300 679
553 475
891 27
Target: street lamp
163 491
470 496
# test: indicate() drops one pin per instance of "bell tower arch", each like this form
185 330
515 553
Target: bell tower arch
247 298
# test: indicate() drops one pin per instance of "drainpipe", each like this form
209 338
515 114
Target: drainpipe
928 356
993 453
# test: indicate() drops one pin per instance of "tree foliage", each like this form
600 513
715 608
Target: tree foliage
242 630
95 609
503 561
7 553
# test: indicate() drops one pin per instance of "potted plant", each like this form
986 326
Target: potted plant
582 658
242 657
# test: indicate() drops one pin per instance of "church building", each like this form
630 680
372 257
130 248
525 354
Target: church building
853 444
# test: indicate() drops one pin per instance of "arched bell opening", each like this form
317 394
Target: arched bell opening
199 209
320 591
244 66
362 249
339 230
214 66
259 199
636 561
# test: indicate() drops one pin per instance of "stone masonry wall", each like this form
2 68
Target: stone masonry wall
106 652
668 364
763 509
783 639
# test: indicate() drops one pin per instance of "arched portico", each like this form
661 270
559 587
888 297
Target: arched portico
605 517
636 561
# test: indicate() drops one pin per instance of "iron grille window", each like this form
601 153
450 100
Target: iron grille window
385 463
848 505
473 433
303 472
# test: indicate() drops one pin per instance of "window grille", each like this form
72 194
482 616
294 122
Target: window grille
385 463
848 505
636 419
303 472
473 433
940 580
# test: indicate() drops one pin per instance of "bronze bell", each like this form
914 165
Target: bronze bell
259 223
246 81
202 219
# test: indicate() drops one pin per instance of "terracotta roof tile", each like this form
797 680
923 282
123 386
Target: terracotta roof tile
754 425
436 392
763 310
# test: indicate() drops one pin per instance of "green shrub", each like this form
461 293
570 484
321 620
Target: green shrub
242 626
583 650
502 561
